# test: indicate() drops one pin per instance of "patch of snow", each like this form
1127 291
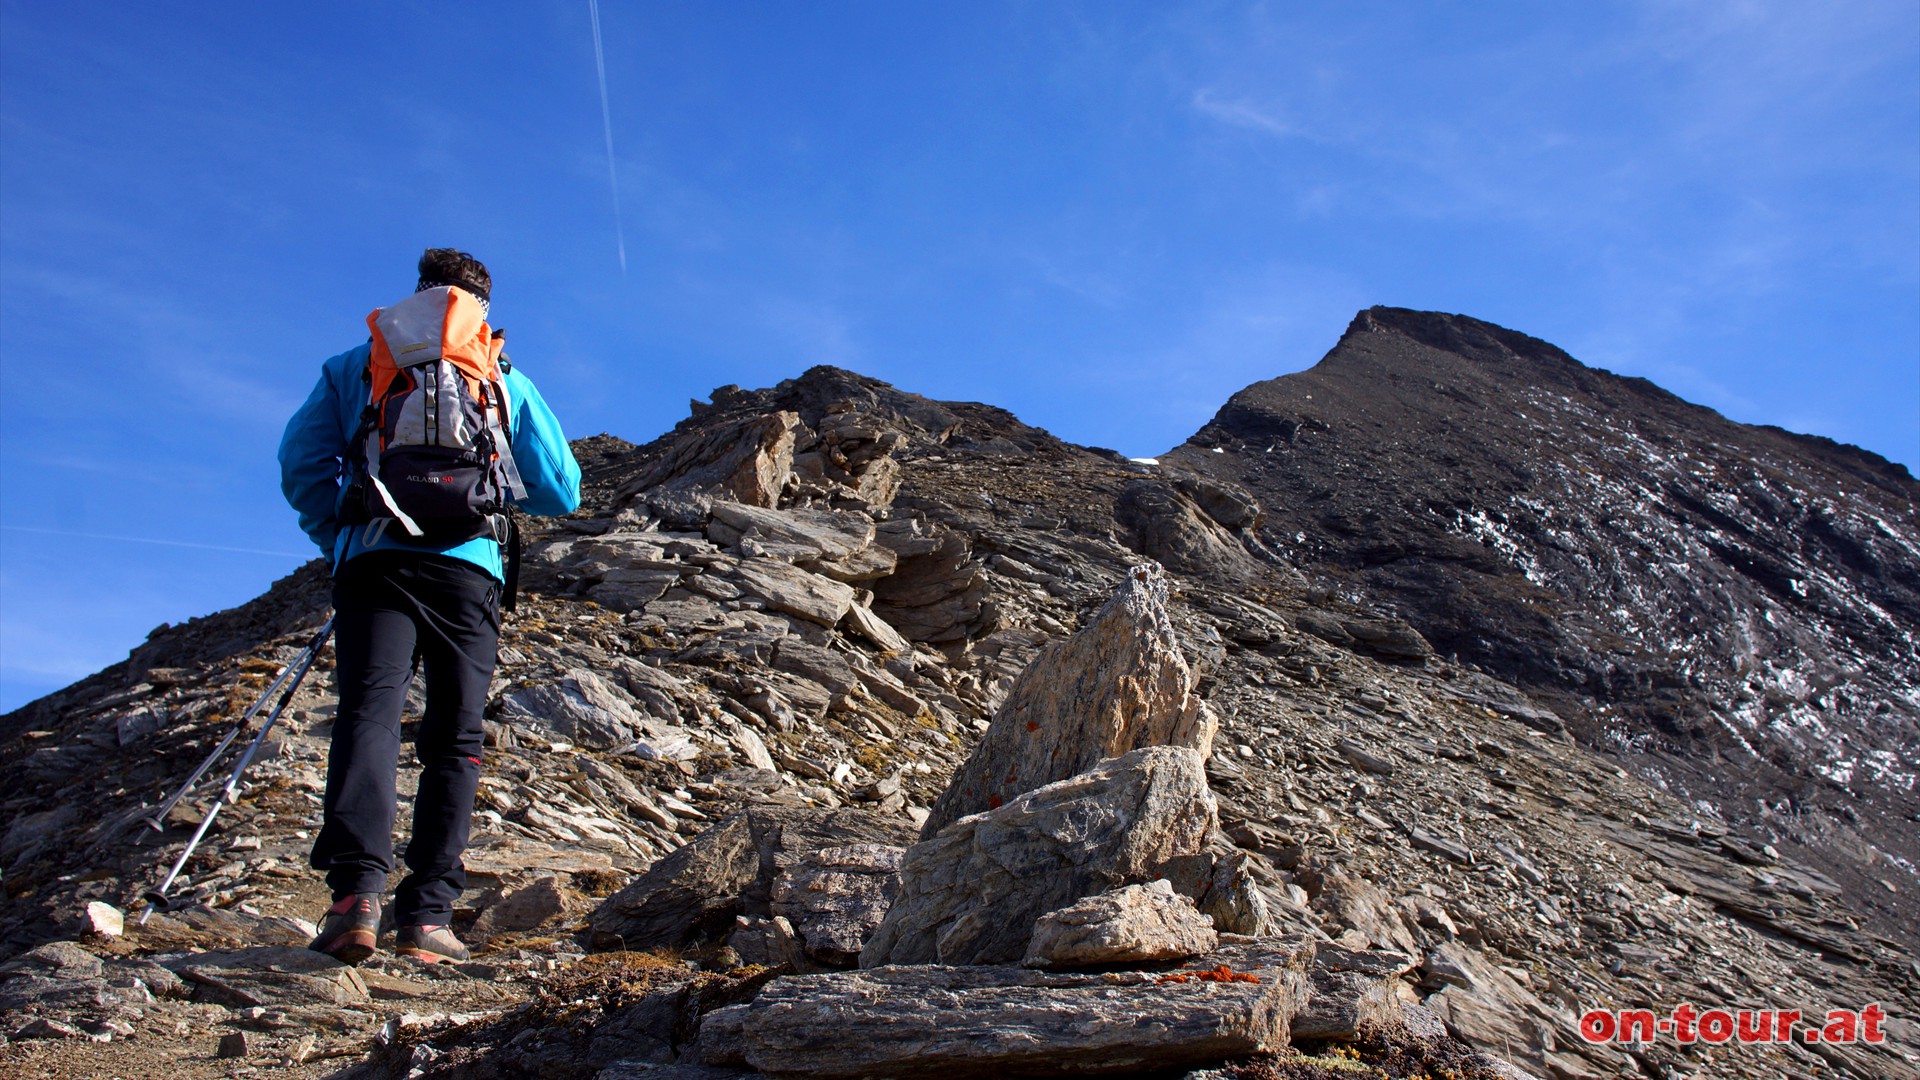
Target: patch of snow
1480 526
1737 735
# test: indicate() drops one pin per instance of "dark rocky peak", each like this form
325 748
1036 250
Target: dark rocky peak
1445 370
1738 604
1438 369
828 435
1461 336
824 392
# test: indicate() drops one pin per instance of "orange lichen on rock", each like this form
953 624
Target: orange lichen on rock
1220 974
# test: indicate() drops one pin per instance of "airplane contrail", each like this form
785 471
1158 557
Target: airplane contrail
152 540
606 125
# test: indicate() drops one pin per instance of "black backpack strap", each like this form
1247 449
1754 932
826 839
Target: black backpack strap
511 594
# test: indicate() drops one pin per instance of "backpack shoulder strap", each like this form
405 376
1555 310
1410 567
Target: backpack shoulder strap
500 412
369 436
500 422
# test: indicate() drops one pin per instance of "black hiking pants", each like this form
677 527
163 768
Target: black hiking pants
393 608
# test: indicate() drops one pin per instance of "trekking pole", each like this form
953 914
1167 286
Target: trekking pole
157 819
157 898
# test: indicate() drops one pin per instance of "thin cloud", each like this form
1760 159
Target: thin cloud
1092 288
156 540
166 338
1244 114
606 127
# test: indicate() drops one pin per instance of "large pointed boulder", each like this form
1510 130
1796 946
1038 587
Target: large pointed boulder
971 894
1119 684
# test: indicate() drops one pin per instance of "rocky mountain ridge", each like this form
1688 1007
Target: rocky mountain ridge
1711 600
812 624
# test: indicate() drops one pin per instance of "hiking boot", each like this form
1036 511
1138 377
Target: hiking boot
429 944
351 930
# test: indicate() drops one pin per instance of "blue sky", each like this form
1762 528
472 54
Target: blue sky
1104 216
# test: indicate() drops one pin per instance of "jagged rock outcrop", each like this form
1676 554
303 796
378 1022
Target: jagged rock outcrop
970 894
853 457
1162 523
748 461
835 898
729 870
1119 684
938 592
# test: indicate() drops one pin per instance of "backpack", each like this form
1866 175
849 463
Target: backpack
433 453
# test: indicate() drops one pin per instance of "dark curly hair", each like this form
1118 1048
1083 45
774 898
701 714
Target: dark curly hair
448 266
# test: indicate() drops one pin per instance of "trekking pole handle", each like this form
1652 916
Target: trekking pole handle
158 816
304 665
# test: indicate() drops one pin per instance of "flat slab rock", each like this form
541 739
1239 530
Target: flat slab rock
822 533
271 975
955 1023
795 591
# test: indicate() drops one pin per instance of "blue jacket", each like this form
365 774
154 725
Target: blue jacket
315 443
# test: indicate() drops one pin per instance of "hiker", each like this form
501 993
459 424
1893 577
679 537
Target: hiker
401 465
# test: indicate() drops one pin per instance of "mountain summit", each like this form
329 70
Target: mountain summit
1720 601
1417 705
